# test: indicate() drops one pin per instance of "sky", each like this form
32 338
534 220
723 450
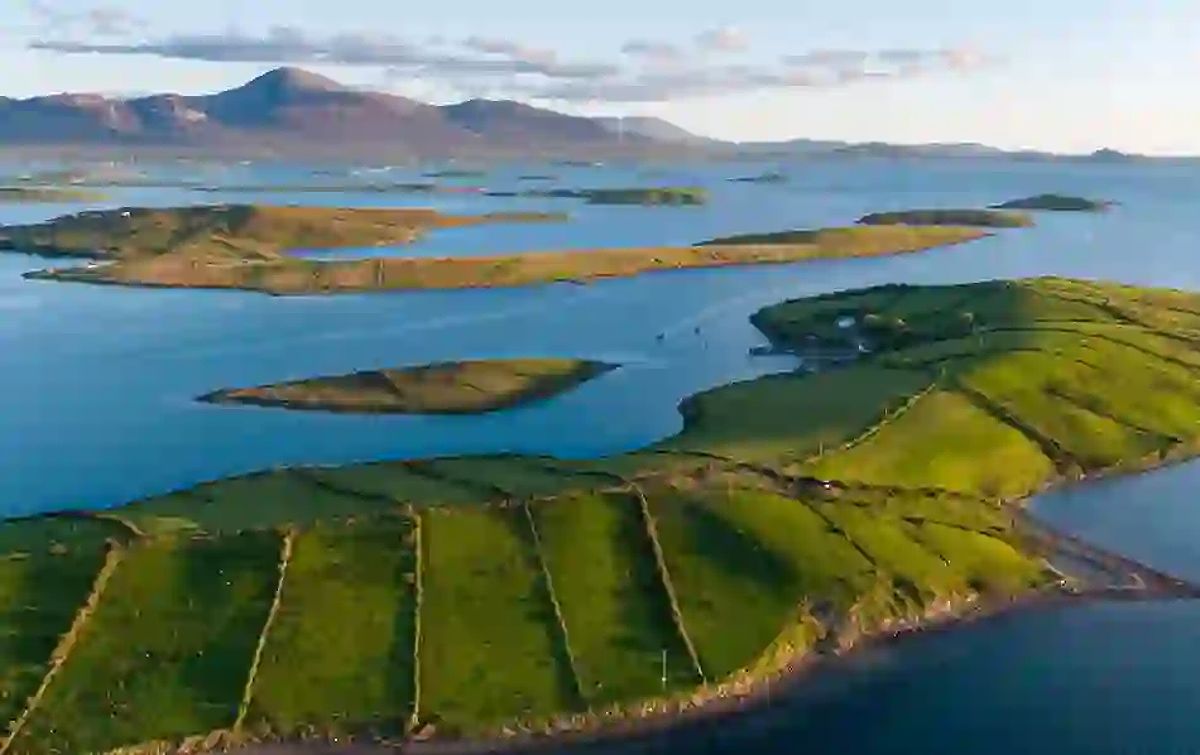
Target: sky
1064 75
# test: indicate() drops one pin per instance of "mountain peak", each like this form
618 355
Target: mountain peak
289 79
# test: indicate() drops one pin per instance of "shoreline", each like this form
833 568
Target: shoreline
723 703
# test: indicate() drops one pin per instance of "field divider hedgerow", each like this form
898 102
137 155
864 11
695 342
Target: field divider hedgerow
564 633
418 602
1051 448
112 559
664 576
285 559
889 416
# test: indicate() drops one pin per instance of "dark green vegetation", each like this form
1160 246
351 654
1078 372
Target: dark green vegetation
970 218
44 194
166 651
471 387
476 595
1055 203
244 247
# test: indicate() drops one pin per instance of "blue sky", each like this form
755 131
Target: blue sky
1070 75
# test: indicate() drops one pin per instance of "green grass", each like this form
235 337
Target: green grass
516 476
339 655
167 653
990 565
403 483
40 595
491 649
1023 385
57 534
938 444
893 551
791 417
259 501
614 604
742 563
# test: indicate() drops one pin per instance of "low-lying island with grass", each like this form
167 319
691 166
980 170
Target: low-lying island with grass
470 387
508 596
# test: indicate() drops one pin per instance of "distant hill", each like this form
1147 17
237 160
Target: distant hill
657 129
289 109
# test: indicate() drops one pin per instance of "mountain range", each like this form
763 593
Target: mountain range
292 111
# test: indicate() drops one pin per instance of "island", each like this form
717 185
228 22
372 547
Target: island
793 518
993 218
468 387
770 177
44 194
657 196
246 247
1055 203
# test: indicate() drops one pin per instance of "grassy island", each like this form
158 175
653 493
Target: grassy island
487 596
245 247
472 387
44 194
233 234
1055 203
668 196
973 218
770 177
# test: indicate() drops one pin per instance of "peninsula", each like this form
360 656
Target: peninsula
245 247
471 387
506 595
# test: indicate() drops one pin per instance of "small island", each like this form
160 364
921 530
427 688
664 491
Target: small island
44 195
770 177
246 247
1055 203
661 196
992 218
470 387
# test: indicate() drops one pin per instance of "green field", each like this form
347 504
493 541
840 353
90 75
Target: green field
938 444
166 654
491 648
339 655
40 595
754 556
614 603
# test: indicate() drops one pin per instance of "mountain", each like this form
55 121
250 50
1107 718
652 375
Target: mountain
651 128
291 110
510 123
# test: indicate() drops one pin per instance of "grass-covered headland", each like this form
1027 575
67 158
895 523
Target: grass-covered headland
793 515
246 247
471 387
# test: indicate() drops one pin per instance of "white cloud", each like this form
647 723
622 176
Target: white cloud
727 39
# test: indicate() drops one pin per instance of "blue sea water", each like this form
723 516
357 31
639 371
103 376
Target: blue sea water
98 385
